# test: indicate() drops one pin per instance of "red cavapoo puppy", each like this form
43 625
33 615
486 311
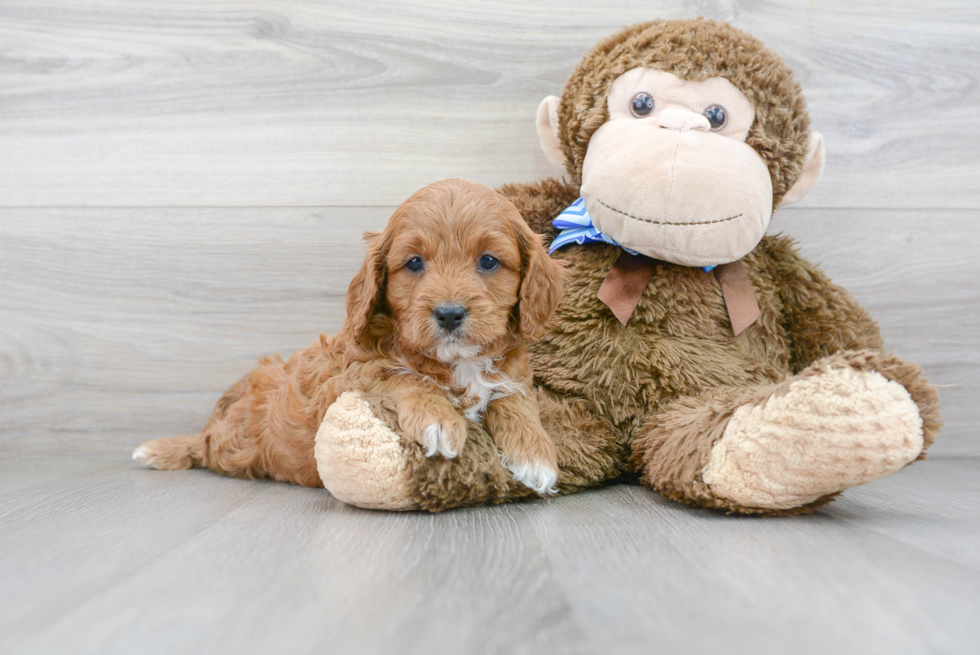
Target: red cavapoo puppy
437 319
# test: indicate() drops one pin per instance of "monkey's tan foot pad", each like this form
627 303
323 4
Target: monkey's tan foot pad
827 432
360 459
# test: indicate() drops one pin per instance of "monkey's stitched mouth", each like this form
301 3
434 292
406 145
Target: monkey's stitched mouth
653 222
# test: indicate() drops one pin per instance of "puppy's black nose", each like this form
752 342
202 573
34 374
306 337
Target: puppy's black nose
449 317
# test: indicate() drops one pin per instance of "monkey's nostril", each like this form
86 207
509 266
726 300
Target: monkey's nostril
449 317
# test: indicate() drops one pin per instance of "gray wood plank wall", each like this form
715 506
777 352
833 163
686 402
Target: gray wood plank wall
183 184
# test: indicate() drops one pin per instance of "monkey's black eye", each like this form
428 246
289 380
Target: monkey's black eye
415 264
717 116
641 105
489 263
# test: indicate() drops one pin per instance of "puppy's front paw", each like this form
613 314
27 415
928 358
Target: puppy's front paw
437 438
536 474
437 432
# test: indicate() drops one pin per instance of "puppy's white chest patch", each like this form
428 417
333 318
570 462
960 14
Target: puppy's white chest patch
473 375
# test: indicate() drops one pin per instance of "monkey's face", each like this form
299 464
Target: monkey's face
670 175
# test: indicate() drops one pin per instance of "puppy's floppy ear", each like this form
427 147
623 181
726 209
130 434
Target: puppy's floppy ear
367 288
541 284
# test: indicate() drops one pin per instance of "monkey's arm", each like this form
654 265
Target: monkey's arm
539 202
364 459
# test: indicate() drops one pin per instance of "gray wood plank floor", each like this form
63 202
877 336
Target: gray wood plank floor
105 557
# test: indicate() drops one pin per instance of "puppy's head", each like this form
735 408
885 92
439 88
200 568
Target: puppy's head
456 273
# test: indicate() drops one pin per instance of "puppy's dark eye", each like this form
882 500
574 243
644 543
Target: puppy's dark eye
415 264
717 116
489 263
641 104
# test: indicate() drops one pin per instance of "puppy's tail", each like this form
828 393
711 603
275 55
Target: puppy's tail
172 453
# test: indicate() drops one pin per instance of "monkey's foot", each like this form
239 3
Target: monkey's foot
360 458
823 433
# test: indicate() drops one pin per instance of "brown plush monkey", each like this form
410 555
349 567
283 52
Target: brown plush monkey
758 387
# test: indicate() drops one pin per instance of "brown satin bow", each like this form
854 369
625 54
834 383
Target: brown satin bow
628 277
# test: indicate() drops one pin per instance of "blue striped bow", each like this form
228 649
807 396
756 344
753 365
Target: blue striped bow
575 226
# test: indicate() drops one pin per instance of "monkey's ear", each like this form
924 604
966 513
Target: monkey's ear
812 169
547 123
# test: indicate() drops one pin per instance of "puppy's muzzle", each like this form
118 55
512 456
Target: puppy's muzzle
449 317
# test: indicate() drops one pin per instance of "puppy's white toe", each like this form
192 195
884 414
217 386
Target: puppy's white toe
537 475
430 439
436 440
